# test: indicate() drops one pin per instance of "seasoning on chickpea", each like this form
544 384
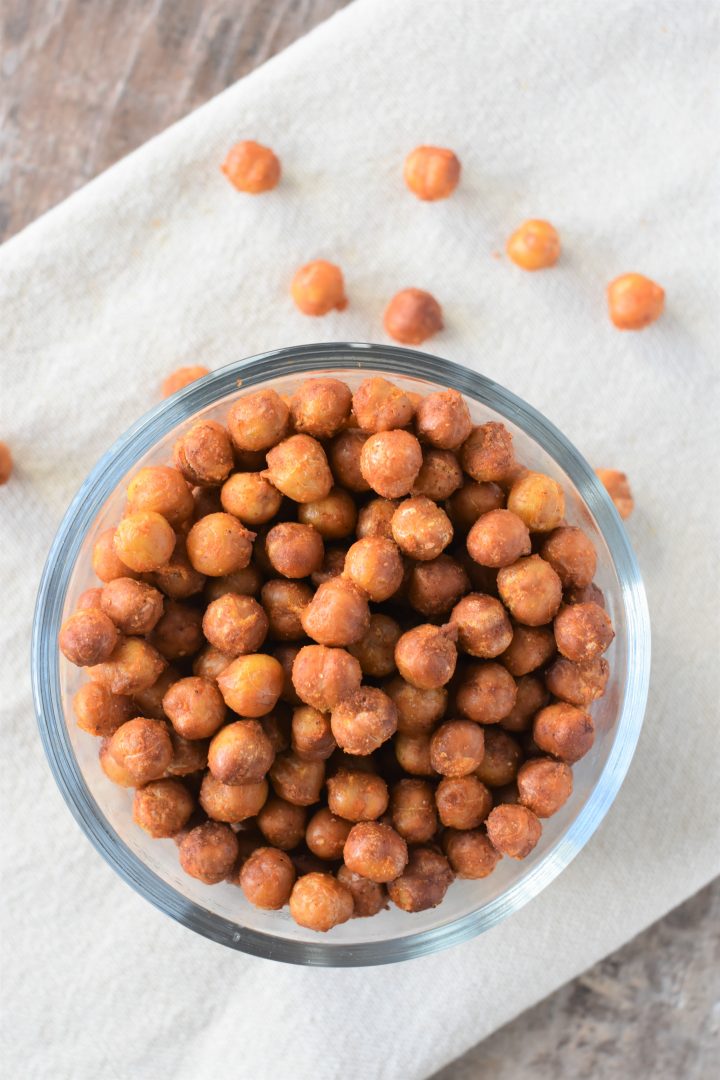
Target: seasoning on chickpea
564 731
529 649
412 316
294 550
501 759
299 469
470 853
232 803
534 246
390 462
162 807
88 637
320 901
426 655
345 452
182 377
142 748
267 878
583 631
204 454
440 475
443 419
295 780
99 712
379 405
235 624
338 614
320 407
431 172
424 881
538 500
134 607
374 519
486 693
322 676
374 565
544 786
251 684
209 662
363 721
375 650
578 684
195 707
312 736
326 834
417 710
178 578
357 796
369 898
283 603
115 772
178 633
436 586
514 830
251 167
282 823
487 455
457 748
208 852
413 754
375 851
318 287
634 301
413 811
421 529
498 538
471 501
617 486
189 755
530 590
250 497
6 463
134 665
144 541
218 545
484 629
334 516
333 565
572 556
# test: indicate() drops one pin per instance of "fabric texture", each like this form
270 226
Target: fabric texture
601 117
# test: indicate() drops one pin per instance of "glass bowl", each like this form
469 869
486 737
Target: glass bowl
220 912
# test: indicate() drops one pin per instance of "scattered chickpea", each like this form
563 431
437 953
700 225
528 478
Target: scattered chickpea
634 301
513 830
204 454
617 486
162 807
251 684
412 316
182 377
534 246
426 655
320 901
470 853
379 405
251 167
431 172
486 693
530 590
318 287
208 852
320 407
583 631
6 463
564 731
424 881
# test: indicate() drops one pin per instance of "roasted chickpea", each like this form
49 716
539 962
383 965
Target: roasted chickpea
235 624
299 469
252 168
88 637
240 753
617 486
375 566
323 676
251 684
320 901
285 655
564 731
431 172
634 301
294 550
513 830
250 497
375 851
204 454
209 851
232 802
374 519
578 684
297 781
363 721
189 755
312 737
326 834
457 748
320 407
284 603
424 881
413 812
413 754
89 598
134 665
531 697
162 807
345 452
531 590
484 629
282 823
501 759
530 648
436 586
6 463
426 655
134 607
369 898
498 538
590 594
162 490
182 377
440 475
486 693
116 773
107 564
178 632
318 287
338 614
149 702
194 707
332 566
267 878
443 419
572 556
487 454
390 462
334 516
357 796
412 316
538 500
470 853
471 501
209 662
99 712
544 786
178 579
376 649
534 246
258 421
144 541
417 710
142 748
421 529
218 545
583 631
379 405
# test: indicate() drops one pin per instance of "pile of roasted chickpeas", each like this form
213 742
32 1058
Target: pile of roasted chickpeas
344 649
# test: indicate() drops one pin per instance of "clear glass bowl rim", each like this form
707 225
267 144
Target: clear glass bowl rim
100 484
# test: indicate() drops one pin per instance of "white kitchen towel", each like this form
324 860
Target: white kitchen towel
600 116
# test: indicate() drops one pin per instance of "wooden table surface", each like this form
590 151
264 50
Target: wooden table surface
84 83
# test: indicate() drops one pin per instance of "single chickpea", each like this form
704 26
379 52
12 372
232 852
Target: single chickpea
294 550
178 633
258 421
390 462
189 755
413 754
133 607
531 590
572 556
470 853
240 753
379 405
426 655
634 301
471 501
363 721
534 246
486 693
232 803
421 529
375 650
149 702
235 624
424 881
417 710
250 497
318 287
356 795
312 737
89 598
88 637
163 807
498 538
144 541
333 565
544 786
319 902
297 781
436 586
252 168
530 648
369 898
251 684
375 851
106 563
218 545
513 830
578 684
487 454
345 452
443 419
179 579
209 851
204 454
133 666
413 812
617 486
374 565
6 463
457 748
323 676
431 172
320 407
590 594
282 823
99 712
538 500
326 834
564 731
195 707
267 878
374 519
334 516
412 316
484 629
531 697
116 773
299 469
182 377
142 748
501 759
209 662
583 631
162 490
439 476
284 603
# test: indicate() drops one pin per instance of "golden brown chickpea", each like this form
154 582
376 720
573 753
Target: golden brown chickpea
178 579
375 566
374 519
318 287
513 830
99 712
299 469
363 721
531 697
209 662
134 607
323 676
179 632
250 497
484 629
390 462
431 172
88 637
189 755
544 786
534 246
89 598
413 811
486 693
267 878
412 316
251 685
338 614
470 853
443 419
578 684
369 898
162 807
376 649
583 631
421 529
424 881
182 377
319 902
144 541
436 586
252 168
284 603
617 486
294 550
357 796
538 500
501 759
133 666
572 556
530 648
457 748
204 454
114 772
209 851
235 624
240 753
590 594
471 501
218 545
345 452
487 454
282 823
334 516
6 463
320 407
232 802
105 560
531 590
440 475
375 851
634 301
312 737
418 710
326 834
195 707
413 754
295 780
498 538
379 405
426 655
142 748
258 421
162 490
564 731
149 702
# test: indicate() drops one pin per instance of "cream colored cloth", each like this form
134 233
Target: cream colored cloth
602 117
